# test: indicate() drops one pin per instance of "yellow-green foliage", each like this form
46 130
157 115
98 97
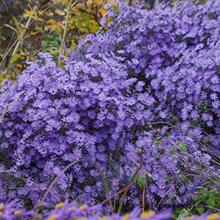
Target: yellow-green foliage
46 28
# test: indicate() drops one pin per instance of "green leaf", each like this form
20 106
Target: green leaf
172 151
73 45
158 141
178 198
211 202
141 181
170 201
182 146
200 210
183 213
185 179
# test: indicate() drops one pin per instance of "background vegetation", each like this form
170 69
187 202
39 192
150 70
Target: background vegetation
27 27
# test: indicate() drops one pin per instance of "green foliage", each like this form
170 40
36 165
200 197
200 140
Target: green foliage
141 181
208 198
182 146
51 44
205 200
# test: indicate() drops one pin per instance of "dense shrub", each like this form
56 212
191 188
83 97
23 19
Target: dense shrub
61 116
141 96
173 54
174 57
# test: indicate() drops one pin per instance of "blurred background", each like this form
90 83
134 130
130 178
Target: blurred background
27 27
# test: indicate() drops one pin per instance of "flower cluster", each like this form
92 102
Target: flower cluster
173 57
70 210
61 116
10 211
66 211
139 101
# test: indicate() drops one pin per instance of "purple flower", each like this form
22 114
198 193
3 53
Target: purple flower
142 92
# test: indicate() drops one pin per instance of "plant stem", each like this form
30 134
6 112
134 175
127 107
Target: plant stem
64 31
143 198
22 34
125 188
55 180
105 186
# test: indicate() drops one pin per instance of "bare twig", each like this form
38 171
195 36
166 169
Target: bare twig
36 184
168 191
5 6
143 198
65 30
22 34
69 5
56 179
105 186
125 188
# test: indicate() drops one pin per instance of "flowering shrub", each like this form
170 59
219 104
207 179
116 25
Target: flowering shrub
136 106
173 56
61 116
